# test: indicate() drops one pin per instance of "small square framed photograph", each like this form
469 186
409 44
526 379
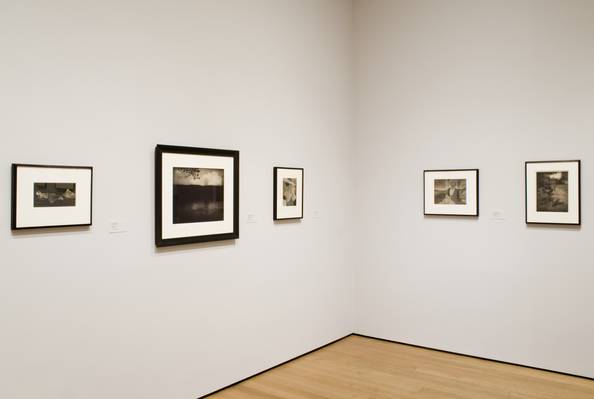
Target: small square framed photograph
451 192
553 192
288 193
196 195
51 196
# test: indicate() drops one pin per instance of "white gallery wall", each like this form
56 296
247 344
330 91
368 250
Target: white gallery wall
364 99
89 314
474 84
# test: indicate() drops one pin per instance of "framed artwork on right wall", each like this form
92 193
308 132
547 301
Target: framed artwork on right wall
451 192
553 192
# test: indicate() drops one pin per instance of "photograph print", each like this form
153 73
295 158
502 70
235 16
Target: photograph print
553 192
451 192
288 193
54 194
51 196
196 195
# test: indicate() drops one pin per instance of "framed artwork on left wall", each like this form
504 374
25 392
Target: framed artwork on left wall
288 193
451 192
196 195
51 196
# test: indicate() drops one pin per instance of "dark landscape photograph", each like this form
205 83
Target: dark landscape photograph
552 191
450 191
54 194
198 195
290 191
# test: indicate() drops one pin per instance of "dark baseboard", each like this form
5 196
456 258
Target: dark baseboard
274 367
474 357
399 343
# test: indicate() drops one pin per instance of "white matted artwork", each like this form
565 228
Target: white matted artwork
553 192
51 196
197 195
288 193
451 192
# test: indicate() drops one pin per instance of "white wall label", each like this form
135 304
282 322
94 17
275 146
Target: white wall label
497 214
118 226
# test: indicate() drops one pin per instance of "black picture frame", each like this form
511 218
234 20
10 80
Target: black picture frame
579 198
14 196
160 149
474 215
275 216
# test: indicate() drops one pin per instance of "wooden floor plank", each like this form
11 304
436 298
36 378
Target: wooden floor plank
363 368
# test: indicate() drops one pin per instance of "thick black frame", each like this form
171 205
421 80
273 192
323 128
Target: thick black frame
13 198
452 170
159 150
274 196
579 164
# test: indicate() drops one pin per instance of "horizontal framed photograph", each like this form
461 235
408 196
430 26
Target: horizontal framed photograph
51 196
451 192
288 193
196 195
553 192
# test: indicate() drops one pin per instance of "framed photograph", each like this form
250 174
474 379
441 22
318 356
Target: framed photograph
453 192
196 195
51 196
553 192
288 193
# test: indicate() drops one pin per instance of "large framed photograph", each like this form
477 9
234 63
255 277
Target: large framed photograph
196 196
51 196
553 192
452 192
288 193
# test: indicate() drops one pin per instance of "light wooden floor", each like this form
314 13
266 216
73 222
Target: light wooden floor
364 368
